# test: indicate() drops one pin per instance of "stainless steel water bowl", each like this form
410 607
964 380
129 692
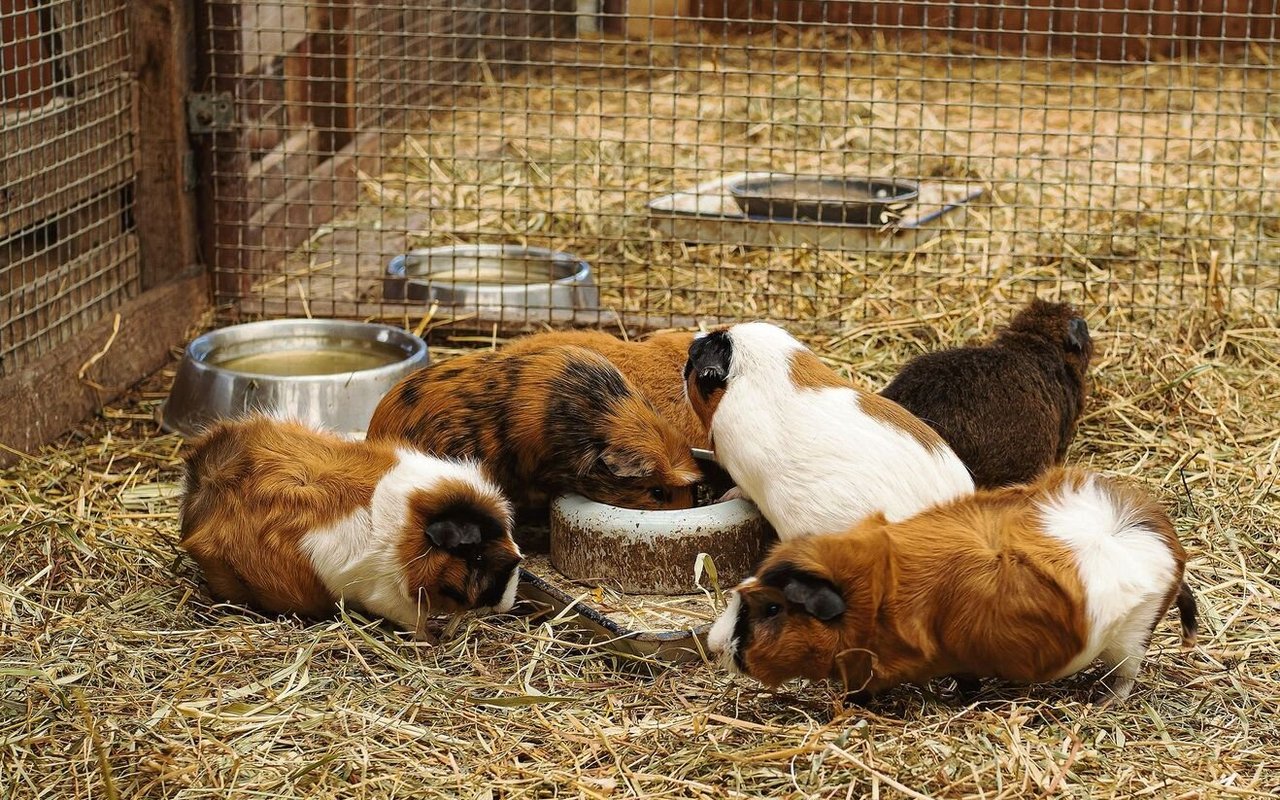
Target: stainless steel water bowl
329 373
508 280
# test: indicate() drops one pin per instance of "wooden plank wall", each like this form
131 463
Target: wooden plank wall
1096 29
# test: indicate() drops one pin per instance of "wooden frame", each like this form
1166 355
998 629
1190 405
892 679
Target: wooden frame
45 398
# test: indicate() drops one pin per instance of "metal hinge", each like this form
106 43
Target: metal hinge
210 112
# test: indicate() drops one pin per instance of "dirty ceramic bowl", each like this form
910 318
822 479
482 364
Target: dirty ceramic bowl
653 552
330 373
508 280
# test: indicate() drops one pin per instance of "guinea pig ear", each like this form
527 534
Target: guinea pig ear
1078 334
709 362
626 463
451 534
817 596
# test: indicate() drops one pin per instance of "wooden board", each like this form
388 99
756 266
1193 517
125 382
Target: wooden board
164 203
150 325
26 70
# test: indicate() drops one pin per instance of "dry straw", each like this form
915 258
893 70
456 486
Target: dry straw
120 678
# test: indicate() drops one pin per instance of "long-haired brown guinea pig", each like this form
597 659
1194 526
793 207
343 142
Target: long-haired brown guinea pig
290 520
654 365
543 422
814 453
1008 409
1028 583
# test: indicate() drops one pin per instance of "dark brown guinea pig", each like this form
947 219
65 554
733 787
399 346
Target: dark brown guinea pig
290 520
544 422
654 365
1008 409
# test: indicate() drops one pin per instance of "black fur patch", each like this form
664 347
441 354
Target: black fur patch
409 394
742 635
818 596
709 359
496 573
462 528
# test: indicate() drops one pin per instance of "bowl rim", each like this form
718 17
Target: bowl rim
739 509
397 267
754 188
196 352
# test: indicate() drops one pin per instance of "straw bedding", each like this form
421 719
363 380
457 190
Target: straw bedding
119 678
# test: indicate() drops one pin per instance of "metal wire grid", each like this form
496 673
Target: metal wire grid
66 166
1131 186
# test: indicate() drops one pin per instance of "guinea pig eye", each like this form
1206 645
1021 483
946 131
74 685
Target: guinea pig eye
772 610
477 559
658 494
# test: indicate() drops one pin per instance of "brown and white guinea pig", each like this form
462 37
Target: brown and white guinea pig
544 422
1008 409
1028 583
290 520
653 365
814 453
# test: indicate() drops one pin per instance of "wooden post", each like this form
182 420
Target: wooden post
164 205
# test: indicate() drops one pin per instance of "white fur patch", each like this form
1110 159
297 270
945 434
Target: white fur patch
357 557
509 595
721 640
1126 568
811 459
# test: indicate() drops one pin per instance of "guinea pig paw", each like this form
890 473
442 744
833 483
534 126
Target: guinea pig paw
427 633
732 494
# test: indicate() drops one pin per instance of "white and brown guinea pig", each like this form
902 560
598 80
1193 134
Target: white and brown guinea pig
1028 584
542 422
814 453
290 520
654 365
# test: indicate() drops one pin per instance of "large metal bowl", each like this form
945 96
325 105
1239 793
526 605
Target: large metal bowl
329 373
508 280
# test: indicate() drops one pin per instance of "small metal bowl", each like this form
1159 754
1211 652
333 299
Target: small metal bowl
329 373
513 281
653 552
841 201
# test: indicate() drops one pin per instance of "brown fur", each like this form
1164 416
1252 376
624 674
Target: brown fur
1009 409
970 588
653 365
256 487
543 421
808 372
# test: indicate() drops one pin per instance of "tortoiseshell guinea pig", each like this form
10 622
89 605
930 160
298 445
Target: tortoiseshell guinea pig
560 419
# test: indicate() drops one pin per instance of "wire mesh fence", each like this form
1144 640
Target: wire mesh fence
1121 153
67 161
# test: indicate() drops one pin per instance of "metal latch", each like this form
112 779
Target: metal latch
210 112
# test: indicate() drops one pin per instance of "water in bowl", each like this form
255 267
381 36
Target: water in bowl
309 361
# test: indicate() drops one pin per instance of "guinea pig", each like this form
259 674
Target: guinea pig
558 419
290 520
1008 409
653 365
1029 584
814 453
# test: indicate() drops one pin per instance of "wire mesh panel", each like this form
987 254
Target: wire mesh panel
67 162
1122 153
